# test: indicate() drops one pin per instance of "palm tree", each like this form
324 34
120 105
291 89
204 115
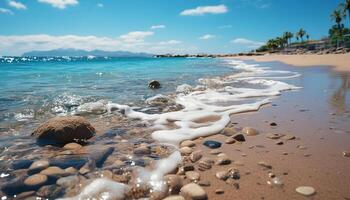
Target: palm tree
338 16
346 7
272 44
300 34
307 37
288 36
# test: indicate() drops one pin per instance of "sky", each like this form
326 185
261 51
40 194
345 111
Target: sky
157 26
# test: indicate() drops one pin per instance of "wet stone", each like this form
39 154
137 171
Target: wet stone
249 131
196 155
215 152
279 143
219 191
174 182
175 197
223 159
274 136
212 144
193 191
142 150
264 165
222 175
53 171
71 170
38 166
24 195
229 131
50 191
234 174
72 146
239 137
21 164
230 141
186 150
192 175
204 183
188 143
346 154
67 181
188 167
289 137
273 124
36 180
305 190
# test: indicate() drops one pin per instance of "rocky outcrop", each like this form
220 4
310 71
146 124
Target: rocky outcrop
63 130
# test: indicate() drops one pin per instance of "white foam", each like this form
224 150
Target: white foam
204 113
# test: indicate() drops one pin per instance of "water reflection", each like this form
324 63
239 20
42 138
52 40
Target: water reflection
338 100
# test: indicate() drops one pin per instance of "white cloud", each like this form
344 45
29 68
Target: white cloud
158 26
6 11
61 4
136 36
206 37
17 5
201 10
225 26
169 42
247 43
100 5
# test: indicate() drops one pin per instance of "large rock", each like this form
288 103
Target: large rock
63 130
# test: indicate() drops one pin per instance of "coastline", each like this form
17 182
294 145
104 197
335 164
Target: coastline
338 62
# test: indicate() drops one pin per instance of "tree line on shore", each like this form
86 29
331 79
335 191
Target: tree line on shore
338 34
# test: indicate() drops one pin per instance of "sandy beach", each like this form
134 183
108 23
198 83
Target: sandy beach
338 62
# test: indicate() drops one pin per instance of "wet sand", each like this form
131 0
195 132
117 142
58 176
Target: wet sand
318 116
339 62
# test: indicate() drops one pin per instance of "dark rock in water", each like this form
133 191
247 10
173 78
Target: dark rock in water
63 130
154 84
68 161
273 124
113 132
101 155
239 137
50 191
21 164
15 186
212 144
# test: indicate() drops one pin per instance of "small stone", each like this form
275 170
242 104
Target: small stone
219 191
346 154
174 182
50 191
142 150
265 165
153 84
289 137
279 142
188 143
196 155
301 147
188 167
53 171
192 175
193 191
239 137
222 175
204 183
275 181
212 144
250 131
215 152
39 165
274 136
67 181
305 190
186 150
223 159
35 180
273 124
272 175
230 141
72 146
234 174
175 197
71 170
228 131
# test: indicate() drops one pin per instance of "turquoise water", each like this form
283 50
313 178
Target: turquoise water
31 88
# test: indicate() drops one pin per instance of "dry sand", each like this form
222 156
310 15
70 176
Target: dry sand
339 62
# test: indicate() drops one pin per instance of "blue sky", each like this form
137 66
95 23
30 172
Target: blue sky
156 26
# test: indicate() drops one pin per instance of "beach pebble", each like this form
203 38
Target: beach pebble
204 183
188 143
63 130
223 159
222 175
219 191
174 182
279 142
229 131
186 150
215 152
53 171
239 137
212 144
275 181
193 191
273 124
72 146
274 136
188 167
346 154
38 166
234 174
35 180
68 181
175 197
71 170
230 141
196 155
142 150
21 164
289 137
305 190
192 175
50 191
265 165
153 84
249 131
